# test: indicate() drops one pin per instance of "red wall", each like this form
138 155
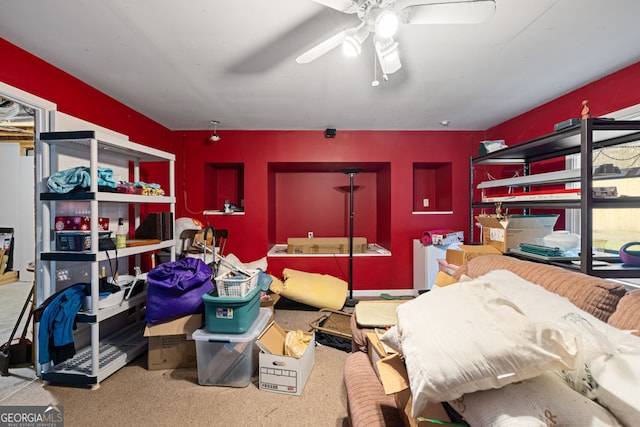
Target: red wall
249 233
76 98
611 93
249 236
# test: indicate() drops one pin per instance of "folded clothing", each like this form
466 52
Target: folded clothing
68 180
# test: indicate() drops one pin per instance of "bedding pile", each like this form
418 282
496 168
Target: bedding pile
502 334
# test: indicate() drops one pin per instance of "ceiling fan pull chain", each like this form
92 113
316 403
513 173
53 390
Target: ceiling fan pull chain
375 81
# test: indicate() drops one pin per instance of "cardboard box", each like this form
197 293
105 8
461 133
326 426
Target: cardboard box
377 350
447 237
508 234
269 300
443 279
434 411
467 252
325 245
169 346
395 381
279 373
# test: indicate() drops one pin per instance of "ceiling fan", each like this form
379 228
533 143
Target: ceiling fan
382 17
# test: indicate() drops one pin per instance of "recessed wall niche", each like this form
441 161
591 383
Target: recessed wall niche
432 187
223 183
314 197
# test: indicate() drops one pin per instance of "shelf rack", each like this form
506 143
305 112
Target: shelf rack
583 138
110 347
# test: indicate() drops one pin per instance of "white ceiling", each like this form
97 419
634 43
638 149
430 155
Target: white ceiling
185 63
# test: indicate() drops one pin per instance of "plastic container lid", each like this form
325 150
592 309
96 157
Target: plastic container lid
251 334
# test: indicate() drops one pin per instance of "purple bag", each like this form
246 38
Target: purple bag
176 289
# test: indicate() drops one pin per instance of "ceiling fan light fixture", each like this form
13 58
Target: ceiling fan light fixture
388 54
351 47
386 23
352 44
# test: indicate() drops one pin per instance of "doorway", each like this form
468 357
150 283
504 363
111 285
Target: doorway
19 188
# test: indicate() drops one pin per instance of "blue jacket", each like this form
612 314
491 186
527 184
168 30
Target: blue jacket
57 322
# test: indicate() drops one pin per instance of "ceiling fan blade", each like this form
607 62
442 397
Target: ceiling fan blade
346 6
322 48
388 54
463 12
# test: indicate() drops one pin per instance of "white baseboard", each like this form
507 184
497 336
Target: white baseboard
392 292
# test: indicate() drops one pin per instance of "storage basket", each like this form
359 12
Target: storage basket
236 285
76 240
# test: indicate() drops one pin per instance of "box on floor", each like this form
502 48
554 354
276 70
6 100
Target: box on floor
395 380
279 373
509 233
169 346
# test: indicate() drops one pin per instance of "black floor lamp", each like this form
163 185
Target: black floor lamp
351 302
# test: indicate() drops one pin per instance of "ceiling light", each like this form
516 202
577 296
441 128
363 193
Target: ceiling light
351 47
386 23
445 122
214 136
388 54
352 44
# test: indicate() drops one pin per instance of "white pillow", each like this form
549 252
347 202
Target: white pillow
538 402
468 337
538 303
392 339
611 356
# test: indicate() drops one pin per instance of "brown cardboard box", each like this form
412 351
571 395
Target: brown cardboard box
443 279
395 380
169 347
508 234
375 350
325 245
269 300
468 252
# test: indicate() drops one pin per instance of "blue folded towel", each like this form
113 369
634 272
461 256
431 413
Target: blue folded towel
66 180
264 280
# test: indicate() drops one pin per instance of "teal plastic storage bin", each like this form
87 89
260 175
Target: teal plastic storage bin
230 315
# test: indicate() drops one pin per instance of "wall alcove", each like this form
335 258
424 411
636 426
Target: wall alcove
314 197
223 183
432 187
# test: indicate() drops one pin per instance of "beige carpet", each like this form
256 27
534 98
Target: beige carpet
136 396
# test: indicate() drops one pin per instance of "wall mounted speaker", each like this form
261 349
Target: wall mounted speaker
330 133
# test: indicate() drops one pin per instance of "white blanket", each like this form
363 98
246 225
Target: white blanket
469 337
